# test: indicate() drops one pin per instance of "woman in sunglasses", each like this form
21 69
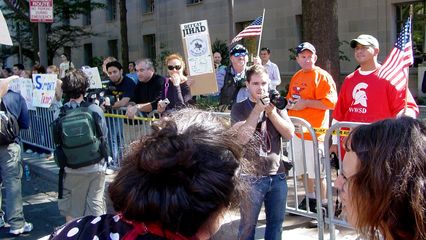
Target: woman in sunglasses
383 181
176 92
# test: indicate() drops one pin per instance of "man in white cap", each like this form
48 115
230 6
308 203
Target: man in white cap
364 97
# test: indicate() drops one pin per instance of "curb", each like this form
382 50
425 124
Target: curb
41 166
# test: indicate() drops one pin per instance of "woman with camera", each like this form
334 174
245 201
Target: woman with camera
383 182
176 92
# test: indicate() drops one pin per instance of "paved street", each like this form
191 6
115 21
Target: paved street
40 208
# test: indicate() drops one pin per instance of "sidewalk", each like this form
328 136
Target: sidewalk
295 227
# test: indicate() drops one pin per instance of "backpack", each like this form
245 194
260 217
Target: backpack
9 127
78 137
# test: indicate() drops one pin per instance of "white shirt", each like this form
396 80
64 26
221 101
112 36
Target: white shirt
274 74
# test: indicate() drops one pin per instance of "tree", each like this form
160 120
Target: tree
317 20
123 33
59 34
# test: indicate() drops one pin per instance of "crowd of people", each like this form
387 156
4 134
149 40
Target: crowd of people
177 182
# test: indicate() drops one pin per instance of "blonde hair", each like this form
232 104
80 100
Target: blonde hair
54 69
175 56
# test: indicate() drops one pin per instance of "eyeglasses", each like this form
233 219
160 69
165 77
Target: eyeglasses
177 67
242 54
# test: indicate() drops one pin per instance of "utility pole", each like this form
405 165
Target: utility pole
42 44
231 21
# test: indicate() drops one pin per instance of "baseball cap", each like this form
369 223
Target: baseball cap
305 46
365 40
237 48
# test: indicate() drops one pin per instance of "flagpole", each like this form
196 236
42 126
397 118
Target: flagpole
260 37
408 70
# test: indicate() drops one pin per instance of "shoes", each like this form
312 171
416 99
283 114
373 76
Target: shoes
28 227
2 223
109 171
312 204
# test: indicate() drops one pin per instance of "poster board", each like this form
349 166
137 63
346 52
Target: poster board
24 86
4 31
199 57
94 77
44 89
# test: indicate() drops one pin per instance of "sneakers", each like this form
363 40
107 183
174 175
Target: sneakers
28 227
312 205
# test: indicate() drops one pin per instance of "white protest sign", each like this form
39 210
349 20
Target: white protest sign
4 32
198 53
44 89
24 86
94 77
197 41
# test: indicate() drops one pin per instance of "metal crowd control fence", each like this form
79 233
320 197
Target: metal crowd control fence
335 130
302 126
38 134
122 131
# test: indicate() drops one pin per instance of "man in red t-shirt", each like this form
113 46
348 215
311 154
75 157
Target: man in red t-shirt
364 97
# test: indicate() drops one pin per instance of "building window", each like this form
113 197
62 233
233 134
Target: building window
111 10
148 6
66 19
87 19
88 54
418 27
190 2
149 46
113 48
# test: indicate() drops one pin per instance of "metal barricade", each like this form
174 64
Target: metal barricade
39 134
335 130
302 126
122 131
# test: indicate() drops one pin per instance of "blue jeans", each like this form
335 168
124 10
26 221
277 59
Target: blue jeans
115 131
272 190
11 172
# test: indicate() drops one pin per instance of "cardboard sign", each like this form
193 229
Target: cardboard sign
44 89
41 11
94 77
24 86
198 53
4 32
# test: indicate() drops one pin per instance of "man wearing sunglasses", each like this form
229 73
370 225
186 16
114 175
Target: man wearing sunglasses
231 80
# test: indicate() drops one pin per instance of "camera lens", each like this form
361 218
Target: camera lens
279 101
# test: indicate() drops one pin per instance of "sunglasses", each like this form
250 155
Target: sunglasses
177 67
242 54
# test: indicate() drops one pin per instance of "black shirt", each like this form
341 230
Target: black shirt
149 92
124 89
179 96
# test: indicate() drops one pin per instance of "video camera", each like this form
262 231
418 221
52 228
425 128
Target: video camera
99 96
276 99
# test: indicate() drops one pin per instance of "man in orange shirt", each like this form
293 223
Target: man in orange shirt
312 93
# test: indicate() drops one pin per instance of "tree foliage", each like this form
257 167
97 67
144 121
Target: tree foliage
59 34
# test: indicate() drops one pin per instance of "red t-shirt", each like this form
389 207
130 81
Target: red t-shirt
366 98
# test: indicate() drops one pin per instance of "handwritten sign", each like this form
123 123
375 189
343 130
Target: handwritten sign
94 77
24 86
44 89
4 32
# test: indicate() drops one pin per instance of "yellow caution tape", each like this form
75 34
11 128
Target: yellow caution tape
125 117
321 131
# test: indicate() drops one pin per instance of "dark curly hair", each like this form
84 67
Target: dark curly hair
389 189
75 83
181 175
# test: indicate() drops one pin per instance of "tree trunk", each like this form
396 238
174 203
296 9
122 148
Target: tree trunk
320 27
34 40
123 33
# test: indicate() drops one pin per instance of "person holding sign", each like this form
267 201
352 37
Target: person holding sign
231 80
176 93
57 100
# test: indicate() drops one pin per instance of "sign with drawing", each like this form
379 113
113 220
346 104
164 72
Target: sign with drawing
94 77
24 86
198 53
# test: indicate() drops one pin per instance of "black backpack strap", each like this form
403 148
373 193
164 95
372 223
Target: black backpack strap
61 182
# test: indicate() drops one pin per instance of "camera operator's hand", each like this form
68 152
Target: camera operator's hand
262 103
131 111
270 110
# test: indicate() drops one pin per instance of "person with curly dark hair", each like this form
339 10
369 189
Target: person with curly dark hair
174 184
83 188
383 181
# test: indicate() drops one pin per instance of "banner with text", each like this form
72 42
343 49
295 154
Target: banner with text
24 86
44 89
198 53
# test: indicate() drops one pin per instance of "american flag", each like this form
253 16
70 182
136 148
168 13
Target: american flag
395 68
254 29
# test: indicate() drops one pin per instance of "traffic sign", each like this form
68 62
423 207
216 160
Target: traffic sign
41 11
